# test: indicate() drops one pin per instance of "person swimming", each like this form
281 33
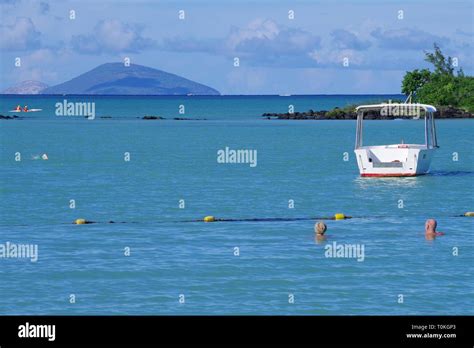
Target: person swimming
430 229
319 229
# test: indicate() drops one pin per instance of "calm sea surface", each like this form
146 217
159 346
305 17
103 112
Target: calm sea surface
170 255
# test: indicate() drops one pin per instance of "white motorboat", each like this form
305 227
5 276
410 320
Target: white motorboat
396 160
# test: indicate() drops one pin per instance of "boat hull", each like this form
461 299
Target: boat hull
388 175
399 160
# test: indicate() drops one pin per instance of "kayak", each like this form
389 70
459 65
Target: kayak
29 110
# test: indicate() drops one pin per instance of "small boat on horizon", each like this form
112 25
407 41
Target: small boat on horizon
396 160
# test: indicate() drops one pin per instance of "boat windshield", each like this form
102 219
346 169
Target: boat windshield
398 131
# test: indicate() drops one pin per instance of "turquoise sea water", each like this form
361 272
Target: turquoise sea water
173 160
235 108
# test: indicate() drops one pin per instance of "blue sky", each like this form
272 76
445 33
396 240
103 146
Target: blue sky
278 55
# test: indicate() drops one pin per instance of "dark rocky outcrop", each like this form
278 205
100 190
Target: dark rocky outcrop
153 118
444 112
451 112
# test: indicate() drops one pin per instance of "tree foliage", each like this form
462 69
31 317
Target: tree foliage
443 65
414 80
443 86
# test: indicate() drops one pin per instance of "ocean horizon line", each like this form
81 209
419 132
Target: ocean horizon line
199 95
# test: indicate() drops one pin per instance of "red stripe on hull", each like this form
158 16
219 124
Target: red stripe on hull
388 174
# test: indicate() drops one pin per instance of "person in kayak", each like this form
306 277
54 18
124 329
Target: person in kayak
18 108
430 229
25 108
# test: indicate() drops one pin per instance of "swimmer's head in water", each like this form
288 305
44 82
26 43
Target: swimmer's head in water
320 228
430 226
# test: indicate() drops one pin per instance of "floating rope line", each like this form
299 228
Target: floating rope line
338 216
210 218
213 219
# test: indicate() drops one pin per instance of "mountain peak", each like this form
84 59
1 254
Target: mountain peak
118 79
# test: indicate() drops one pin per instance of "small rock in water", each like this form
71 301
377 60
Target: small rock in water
153 118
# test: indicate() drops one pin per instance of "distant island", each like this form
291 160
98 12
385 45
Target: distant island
26 87
118 79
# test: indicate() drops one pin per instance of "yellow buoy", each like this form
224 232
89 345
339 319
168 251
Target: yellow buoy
339 216
469 213
209 219
80 221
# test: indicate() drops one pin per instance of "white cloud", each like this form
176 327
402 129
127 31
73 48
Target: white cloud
41 56
346 39
112 36
20 36
407 39
335 57
37 74
263 42
261 30
40 65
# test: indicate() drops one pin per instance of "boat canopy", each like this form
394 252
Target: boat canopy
425 107
400 109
